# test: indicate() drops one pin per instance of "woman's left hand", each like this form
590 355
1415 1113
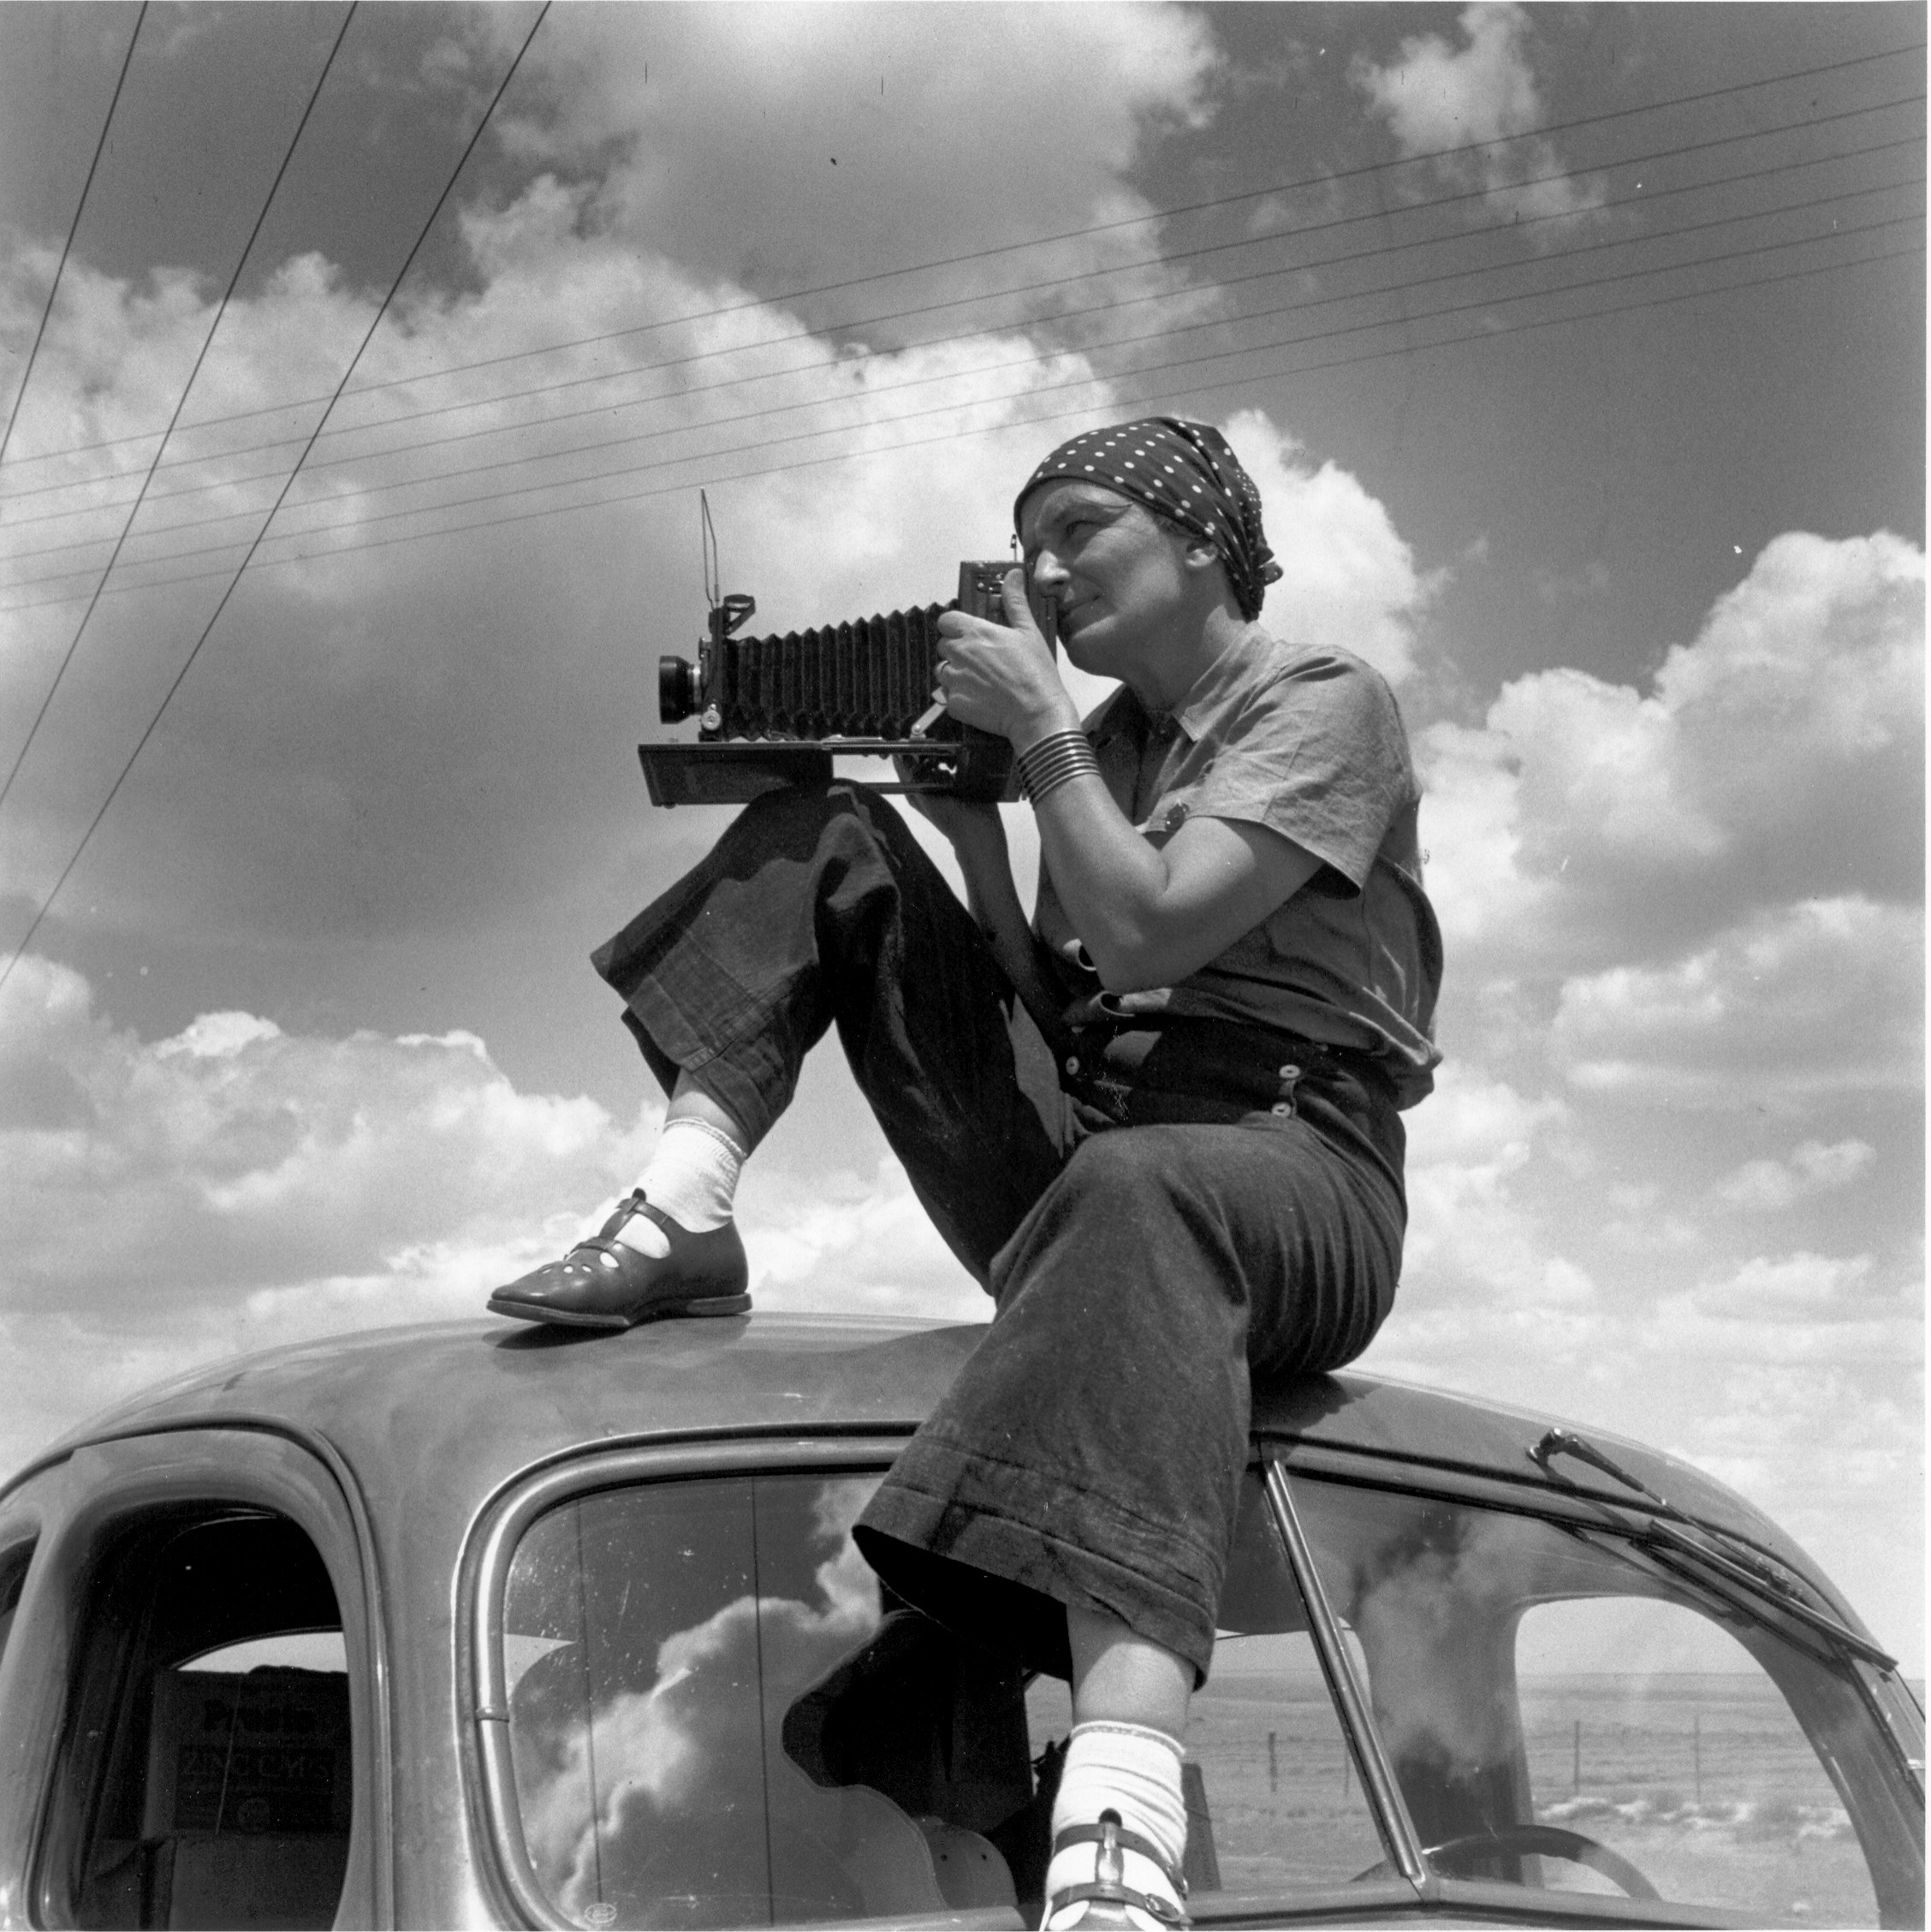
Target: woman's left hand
1001 677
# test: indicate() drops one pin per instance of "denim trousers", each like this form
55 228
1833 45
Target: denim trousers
1145 1276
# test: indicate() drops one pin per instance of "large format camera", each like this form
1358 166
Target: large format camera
775 711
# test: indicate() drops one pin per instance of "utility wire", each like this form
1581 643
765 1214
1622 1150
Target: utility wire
1648 198
207 631
1643 197
1161 393
207 342
74 228
766 412
1298 185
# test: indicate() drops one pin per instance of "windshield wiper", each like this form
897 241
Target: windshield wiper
1738 1561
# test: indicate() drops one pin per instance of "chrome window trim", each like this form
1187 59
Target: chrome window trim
1399 1836
1520 1495
483 1709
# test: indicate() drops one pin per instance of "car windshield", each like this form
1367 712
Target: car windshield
1562 1711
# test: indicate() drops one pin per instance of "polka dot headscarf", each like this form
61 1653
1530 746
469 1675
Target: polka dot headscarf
1184 472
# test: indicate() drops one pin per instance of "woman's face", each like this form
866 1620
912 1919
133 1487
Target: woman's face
1119 574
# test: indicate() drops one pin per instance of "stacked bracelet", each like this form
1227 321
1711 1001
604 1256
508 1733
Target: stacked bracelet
1054 761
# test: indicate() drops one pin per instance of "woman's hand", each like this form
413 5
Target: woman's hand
1001 677
971 827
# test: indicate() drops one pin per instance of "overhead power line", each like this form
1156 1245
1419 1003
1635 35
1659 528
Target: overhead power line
207 341
1166 391
1298 185
73 228
1648 197
188 665
765 413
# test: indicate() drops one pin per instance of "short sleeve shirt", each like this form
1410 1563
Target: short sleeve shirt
1310 743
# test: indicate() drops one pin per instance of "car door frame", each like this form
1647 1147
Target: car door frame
75 1506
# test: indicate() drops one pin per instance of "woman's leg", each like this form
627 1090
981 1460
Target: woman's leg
1120 1775
817 908
1089 1454
1077 1487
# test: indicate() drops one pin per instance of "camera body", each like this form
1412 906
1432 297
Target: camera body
775 711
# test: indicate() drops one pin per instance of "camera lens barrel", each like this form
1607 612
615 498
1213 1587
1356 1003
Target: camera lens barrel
677 689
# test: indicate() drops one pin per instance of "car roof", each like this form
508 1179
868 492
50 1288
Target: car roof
469 1405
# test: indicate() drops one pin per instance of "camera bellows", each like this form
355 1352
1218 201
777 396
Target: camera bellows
869 678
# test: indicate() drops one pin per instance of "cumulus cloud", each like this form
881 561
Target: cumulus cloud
1488 1279
237 1157
1775 761
1439 95
759 143
865 1232
667 1762
1347 576
1822 995
238 1185
1768 1186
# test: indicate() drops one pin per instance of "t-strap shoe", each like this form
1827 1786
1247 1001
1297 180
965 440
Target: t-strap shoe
1107 1900
603 1283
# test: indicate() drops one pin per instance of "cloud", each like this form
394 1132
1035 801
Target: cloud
1822 995
1769 1186
669 1761
238 1185
235 1158
1347 578
1436 95
866 1232
1777 759
758 143
1486 1275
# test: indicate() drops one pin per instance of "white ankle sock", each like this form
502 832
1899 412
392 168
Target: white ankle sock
692 1178
1132 1770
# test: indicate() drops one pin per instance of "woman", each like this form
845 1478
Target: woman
1236 967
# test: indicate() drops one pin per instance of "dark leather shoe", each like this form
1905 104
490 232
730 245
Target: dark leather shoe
604 1284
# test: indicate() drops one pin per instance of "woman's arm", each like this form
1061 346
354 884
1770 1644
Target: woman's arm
1147 915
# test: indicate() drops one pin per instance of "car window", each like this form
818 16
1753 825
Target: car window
717 1717
1275 1799
201 1785
689 1732
1562 1712
302 1650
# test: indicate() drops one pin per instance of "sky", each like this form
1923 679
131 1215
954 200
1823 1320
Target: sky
1578 355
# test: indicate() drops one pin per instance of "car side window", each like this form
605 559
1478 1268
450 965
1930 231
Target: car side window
1273 1794
1565 1712
205 1779
691 1665
1691 1763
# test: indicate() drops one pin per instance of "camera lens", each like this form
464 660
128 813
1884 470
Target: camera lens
677 689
